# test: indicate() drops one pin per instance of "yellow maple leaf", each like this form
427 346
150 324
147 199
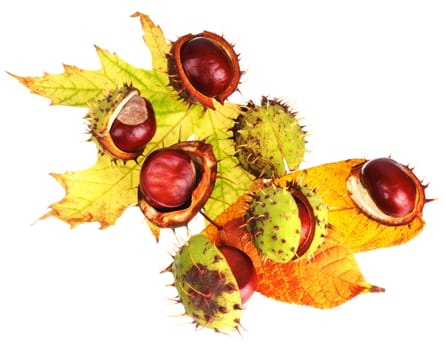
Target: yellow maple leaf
98 194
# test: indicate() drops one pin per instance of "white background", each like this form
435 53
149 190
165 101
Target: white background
369 79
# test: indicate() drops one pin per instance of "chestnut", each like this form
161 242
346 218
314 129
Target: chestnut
386 191
176 182
307 219
134 126
122 123
203 67
243 270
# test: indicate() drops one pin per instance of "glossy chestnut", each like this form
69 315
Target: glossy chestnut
242 269
386 191
203 67
307 220
134 126
176 182
122 123
168 177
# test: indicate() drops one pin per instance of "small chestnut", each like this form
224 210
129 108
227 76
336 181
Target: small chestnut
134 126
122 123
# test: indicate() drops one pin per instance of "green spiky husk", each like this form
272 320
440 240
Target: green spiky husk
269 139
274 223
206 285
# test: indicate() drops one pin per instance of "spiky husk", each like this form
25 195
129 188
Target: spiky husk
206 285
269 140
274 223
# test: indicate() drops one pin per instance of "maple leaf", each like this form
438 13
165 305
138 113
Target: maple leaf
351 227
102 192
328 279
98 194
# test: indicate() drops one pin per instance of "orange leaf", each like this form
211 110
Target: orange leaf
330 278
351 227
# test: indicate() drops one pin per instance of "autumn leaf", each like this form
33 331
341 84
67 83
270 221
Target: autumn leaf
330 278
351 227
232 181
98 194
75 87
103 192
155 41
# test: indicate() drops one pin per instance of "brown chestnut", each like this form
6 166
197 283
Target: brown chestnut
122 123
203 67
176 182
386 190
